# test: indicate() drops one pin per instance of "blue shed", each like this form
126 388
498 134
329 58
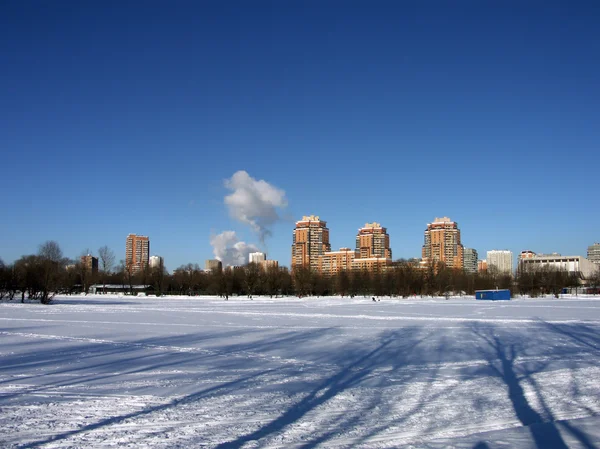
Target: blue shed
492 294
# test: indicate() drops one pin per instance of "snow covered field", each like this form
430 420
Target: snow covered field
103 371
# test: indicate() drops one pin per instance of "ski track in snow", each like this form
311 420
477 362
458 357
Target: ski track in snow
328 372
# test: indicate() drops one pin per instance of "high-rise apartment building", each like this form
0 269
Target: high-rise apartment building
500 261
373 241
470 258
137 252
310 240
90 263
257 257
482 266
593 253
442 243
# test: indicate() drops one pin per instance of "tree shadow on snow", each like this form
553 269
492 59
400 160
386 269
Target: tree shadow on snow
358 368
502 354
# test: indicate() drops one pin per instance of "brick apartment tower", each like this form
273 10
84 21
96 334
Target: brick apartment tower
442 243
90 263
311 240
373 240
137 252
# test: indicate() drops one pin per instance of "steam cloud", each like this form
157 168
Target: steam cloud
254 202
229 250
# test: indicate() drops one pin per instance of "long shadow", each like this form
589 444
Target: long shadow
118 419
348 377
544 436
126 363
426 395
581 336
162 360
585 336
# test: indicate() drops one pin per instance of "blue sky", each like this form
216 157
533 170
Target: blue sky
122 117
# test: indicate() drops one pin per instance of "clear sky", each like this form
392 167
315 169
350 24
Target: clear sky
122 117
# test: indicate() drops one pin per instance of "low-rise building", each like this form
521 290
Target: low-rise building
371 264
266 264
332 262
571 264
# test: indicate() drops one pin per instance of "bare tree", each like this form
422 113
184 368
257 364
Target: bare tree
4 279
157 275
51 265
595 281
107 260
252 277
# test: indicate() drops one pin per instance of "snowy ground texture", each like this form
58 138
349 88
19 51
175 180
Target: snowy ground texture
108 371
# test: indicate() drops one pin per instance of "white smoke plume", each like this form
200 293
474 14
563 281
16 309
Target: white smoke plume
229 250
254 202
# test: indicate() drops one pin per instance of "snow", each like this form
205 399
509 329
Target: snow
178 372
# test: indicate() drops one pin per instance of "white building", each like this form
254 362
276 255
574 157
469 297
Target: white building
156 262
257 257
501 260
593 253
571 264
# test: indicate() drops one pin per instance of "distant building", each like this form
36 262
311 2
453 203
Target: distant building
501 261
571 264
257 257
157 262
213 265
482 266
548 255
90 263
266 264
526 254
137 252
470 257
442 243
371 264
593 253
332 262
310 240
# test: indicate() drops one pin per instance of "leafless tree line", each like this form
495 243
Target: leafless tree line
43 275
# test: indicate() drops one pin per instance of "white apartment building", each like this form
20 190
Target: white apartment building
156 262
593 253
257 257
501 260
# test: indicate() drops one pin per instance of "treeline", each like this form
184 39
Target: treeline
43 275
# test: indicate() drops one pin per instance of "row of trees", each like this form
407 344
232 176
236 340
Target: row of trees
41 276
